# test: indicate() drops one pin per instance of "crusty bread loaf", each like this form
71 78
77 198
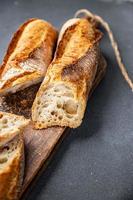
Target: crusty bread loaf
28 56
11 155
10 126
11 168
62 97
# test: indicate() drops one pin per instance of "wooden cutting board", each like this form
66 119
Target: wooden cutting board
39 144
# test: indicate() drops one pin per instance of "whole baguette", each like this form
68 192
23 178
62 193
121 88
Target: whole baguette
62 97
28 56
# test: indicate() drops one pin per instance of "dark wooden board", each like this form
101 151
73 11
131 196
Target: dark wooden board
39 144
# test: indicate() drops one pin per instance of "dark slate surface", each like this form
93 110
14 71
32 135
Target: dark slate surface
96 160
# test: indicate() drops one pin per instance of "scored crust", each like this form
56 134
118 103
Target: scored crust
10 126
62 97
28 56
11 168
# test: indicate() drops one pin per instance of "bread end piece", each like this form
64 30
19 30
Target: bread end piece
62 97
28 56
11 168
60 107
10 126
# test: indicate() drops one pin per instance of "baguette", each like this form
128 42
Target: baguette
28 56
11 155
11 168
62 97
10 126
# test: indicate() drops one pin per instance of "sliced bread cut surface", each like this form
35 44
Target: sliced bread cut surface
11 168
62 97
10 126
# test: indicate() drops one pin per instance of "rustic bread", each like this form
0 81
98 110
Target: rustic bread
62 97
10 126
28 56
11 168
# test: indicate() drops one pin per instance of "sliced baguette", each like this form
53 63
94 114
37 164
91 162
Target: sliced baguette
62 97
10 126
11 168
28 56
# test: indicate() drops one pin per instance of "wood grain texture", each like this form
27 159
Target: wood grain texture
39 144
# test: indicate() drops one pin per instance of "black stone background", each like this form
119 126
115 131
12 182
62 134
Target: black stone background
95 161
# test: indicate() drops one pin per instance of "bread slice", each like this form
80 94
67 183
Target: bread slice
28 56
10 126
11 168
62 97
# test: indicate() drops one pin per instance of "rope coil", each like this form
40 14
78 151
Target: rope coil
112 40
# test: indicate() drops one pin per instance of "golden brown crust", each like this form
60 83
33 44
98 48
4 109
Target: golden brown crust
72 33
68 53
12 175
34 35
76 44
14 40
74 65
